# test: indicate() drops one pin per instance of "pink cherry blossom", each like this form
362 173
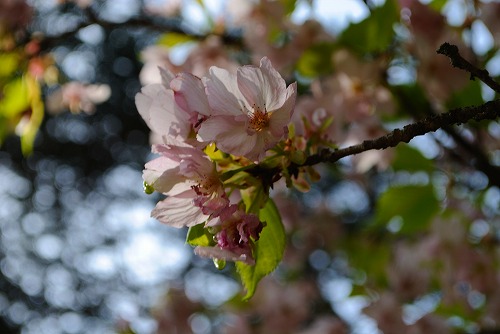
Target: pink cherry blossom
175 107
250 110
191 183
234 238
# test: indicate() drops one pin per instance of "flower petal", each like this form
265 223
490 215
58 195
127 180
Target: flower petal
229 135
162 173
157 107
263 87
190 94
222 92
179 211
281 116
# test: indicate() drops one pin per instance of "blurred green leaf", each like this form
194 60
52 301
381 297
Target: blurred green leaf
29 130
414 204
199 236
10 62
410 159
437 5
375 33
172 39
316 61
268 250
469 96
15 99
369 257
412 100
289 6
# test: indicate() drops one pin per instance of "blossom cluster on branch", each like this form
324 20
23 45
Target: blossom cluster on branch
260 97
224 122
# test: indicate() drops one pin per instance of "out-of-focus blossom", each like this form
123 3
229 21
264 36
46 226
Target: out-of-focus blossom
165 8
387 312
269 33
154 57
345 108
434 73
250 110
207 53
77 97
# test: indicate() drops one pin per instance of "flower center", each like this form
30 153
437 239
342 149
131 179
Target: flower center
259 119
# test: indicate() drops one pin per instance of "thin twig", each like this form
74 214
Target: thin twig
451 51
487 111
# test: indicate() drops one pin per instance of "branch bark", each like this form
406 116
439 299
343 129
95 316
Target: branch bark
487 111
451 51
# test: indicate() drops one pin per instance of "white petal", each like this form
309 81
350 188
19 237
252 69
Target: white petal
157 107
190 94
179 210
229 135
262 86
281 117
166 76
223 94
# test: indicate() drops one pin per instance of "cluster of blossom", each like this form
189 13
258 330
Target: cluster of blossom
244 114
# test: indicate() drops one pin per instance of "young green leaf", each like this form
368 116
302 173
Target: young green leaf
268 250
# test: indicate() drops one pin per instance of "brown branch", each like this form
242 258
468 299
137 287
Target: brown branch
487 111
451 51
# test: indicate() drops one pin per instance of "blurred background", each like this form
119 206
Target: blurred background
79 252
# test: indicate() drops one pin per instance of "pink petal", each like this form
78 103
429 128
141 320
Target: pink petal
166 76
162 174
190 94
281 117
229 135
222 92
157 107
262 87
179 211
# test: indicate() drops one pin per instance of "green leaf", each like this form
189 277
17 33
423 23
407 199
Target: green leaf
315 61
469 96
411 99
375 33
437 5
36 105
289 6
410 159
15 98
254 198
172 39
268 250
10 62
414 205
199 236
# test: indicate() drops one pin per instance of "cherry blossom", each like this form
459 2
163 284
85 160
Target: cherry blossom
191 183
250 109
234 238
173 108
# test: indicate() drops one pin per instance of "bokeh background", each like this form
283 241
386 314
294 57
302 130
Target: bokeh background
79 253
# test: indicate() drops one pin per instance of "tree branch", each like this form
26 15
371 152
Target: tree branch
451 51
487 111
